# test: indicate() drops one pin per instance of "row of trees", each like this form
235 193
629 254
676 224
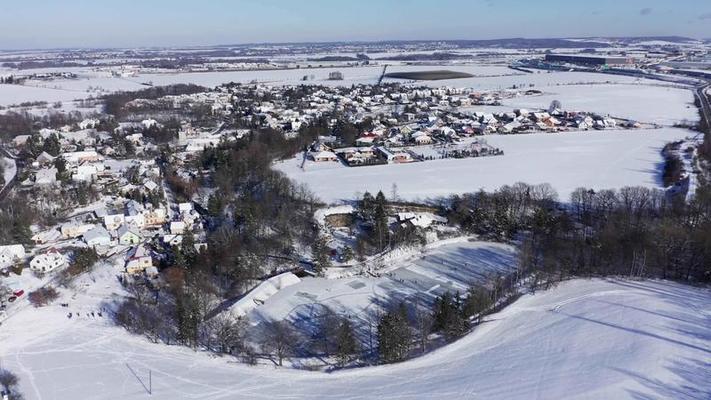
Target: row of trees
633 231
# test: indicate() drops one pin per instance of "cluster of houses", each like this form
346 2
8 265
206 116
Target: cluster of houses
127 220
131 231
359 156
47 261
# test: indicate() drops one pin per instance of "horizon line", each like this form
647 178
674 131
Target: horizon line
378 41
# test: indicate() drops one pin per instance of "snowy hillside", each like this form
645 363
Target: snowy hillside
583 340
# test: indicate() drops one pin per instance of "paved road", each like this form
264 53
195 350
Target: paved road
703 94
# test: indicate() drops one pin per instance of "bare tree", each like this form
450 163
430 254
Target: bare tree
423 324
279 339
228 332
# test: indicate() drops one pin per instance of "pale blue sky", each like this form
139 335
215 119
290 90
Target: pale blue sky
130 23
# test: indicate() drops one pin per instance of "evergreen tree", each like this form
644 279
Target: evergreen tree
381 229
394 335
366 207
188 319
51 145
215 205
448 316
61 164
321 255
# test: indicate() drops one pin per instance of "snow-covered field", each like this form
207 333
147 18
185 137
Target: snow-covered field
486 77
651 104
593 159
586 339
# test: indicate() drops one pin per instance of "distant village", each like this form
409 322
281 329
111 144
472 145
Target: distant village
128 211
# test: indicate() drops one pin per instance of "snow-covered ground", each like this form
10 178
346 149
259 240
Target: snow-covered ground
9 169
651 104
486 77
447 266
586 339
593 159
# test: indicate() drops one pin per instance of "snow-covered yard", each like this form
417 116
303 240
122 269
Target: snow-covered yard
584 339
594 159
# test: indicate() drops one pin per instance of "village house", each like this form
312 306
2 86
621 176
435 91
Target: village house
46 177
395 157
78 157
177 227
138 260
113 221
127 235
11 254
48 261
133 215
43 159
73 230
98 236
48 236
154 217
323 156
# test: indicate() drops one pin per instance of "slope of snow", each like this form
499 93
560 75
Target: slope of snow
262 293
594 159
9 169
589 339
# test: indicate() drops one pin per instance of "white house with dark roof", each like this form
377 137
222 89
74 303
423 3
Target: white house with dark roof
48 261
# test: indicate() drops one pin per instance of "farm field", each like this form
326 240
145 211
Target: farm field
650 104
592 159
485 77
651 340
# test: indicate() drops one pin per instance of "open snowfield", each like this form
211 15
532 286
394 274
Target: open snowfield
582 340
486 77
593 159
650 104
16 94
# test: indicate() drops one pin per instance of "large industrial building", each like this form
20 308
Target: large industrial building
588 59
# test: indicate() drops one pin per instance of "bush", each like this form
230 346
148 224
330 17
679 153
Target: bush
43 296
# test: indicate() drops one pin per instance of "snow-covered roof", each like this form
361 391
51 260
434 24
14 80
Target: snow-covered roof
261 293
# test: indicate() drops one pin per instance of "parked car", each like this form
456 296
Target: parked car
12 298
19 293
